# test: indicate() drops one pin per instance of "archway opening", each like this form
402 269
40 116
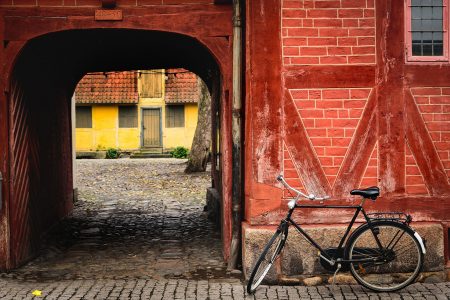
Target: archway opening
42 85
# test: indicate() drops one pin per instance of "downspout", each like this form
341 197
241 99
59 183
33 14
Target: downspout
74 151
236 132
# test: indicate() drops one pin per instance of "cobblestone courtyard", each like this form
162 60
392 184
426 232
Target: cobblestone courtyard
139 231
133 219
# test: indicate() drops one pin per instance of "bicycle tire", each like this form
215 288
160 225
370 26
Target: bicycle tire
398 263
261 269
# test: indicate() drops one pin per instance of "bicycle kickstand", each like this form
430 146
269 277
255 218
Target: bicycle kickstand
335 273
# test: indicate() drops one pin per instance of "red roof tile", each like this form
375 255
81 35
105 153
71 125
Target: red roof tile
104 88
181 86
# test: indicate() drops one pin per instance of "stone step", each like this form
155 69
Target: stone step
150 155
151 150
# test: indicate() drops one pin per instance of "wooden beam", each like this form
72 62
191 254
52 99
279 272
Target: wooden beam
297 77
358 154
263 88
191 24
423 209
427 75
389 93
421 146
299 146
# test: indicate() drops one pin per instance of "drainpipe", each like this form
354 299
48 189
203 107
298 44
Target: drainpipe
236 132
74 154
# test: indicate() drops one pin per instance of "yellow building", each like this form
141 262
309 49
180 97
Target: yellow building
144 110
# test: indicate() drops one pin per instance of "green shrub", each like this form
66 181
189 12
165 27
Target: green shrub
112 153
179 152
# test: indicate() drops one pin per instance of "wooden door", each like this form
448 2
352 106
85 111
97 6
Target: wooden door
151 127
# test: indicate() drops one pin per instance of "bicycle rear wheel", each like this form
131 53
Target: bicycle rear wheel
389 268
267 258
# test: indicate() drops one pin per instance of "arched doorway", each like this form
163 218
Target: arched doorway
41 83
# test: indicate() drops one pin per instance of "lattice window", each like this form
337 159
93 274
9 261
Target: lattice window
151 83
427 33
174 116
128 116
83 117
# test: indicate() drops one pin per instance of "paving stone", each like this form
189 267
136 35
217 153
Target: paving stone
134 219
139 232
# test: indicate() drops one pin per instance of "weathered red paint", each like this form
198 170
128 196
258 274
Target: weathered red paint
263 99
40 183
390 119
328 76
4 166
302 152
428 161
354 165
390 60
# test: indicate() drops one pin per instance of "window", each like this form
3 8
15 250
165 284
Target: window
83 117
151 83
427 30
128 117
174 116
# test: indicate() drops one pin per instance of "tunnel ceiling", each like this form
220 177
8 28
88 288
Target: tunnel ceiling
62 58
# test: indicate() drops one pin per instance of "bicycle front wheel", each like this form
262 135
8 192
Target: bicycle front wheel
267 258
386 258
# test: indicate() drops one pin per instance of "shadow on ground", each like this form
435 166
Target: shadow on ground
140 219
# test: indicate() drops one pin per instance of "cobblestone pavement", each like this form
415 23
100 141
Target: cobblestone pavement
134 219
191 289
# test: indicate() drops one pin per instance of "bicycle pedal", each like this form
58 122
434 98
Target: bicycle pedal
335 273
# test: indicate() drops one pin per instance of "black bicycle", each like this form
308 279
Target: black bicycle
383 254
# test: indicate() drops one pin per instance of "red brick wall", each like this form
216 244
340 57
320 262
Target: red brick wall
434 105
98 2
330 117
370 177
291 175
414 183
328 32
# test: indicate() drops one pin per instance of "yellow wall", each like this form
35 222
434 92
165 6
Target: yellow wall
106 134
182 136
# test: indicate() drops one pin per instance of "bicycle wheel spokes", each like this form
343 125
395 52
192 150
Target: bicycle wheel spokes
390 268
266 260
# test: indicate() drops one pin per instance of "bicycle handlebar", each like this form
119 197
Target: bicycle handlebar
280 178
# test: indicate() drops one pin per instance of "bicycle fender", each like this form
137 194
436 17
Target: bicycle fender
421 242
364 225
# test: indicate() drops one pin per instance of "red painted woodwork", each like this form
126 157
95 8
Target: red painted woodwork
359 152
303 156
391 145
429 162
43 58
263 108
329 76
390 51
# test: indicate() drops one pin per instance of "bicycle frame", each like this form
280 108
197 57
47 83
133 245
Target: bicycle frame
323 254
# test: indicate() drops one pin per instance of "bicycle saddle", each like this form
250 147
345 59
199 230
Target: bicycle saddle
372 192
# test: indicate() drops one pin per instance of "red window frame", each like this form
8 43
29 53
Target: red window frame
408 36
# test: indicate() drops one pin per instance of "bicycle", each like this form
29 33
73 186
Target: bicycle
383 254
